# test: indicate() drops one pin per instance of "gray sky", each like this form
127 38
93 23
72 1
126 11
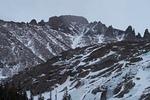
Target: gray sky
119 13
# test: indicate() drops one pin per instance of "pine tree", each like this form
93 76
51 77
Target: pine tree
31 95
104 93
66 96
56 95
50 95
25 96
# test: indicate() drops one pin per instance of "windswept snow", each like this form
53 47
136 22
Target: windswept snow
77 41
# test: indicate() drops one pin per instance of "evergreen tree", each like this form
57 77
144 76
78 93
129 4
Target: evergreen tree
104 93
31 95
24 96
66 96
56 95
50 95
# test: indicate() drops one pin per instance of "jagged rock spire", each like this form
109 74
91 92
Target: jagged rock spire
130 34
109 34
109 31
41 23
129 29
33 22
139 36
146 31
133 32
146 35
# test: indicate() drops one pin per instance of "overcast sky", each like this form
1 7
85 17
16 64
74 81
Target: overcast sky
119 13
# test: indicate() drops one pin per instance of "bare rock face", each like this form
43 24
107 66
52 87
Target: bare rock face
146 94
124 88
66 23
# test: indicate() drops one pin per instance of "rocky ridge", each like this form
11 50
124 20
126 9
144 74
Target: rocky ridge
28 44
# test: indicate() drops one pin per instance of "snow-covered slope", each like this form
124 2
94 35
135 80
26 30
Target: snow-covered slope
28 44
112 71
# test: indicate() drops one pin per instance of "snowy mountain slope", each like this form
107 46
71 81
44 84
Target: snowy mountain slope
42 41
29 44
116 71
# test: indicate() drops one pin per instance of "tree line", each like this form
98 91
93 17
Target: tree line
10 92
